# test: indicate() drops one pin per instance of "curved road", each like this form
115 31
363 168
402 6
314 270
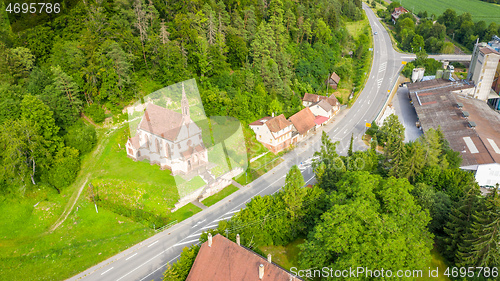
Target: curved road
147 260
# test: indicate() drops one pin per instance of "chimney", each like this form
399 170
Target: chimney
209 240
269 258
238 239
261 271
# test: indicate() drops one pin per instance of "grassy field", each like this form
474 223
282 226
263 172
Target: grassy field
357 28
285 256
228 190
29 252
478 9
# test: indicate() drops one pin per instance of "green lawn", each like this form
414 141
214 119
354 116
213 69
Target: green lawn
228 190
357 28
478 9
285 256
84 239
28 252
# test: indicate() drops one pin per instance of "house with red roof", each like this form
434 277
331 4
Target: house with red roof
169 139
273 132
397 13
333 81
222 259
303 123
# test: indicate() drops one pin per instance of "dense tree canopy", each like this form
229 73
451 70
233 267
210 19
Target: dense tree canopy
373 223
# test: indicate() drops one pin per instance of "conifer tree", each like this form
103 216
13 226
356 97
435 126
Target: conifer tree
458 225
349 152
481 245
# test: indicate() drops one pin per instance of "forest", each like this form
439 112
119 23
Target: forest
375 210
61 74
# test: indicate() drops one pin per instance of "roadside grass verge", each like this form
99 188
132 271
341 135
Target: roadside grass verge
185 212
211 200
260 167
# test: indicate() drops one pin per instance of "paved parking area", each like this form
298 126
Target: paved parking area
406 113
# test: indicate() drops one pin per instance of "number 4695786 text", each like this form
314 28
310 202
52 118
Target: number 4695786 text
32 8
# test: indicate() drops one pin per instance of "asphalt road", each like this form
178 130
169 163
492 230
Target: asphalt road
147 260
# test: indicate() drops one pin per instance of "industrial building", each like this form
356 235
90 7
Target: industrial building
484 71
469 124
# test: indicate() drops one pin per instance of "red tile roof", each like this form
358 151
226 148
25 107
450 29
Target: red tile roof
161 122
313 98
335 77
278 123
225 261
261 121
303 120
320 119
332 100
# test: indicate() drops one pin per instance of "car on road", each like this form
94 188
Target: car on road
375 33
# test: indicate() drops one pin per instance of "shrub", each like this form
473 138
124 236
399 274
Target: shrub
138 215
95 112
81 137
64 170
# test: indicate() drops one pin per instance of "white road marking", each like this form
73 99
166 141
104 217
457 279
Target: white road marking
106 271
194 235
153 243
232 212
237 207
309 179
379 82
198 223
187 242
143 264
163 266
222 219
382 67
209 226
130 257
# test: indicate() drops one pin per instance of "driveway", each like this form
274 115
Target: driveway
406 113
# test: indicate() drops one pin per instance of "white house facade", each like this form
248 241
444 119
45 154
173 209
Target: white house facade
275 133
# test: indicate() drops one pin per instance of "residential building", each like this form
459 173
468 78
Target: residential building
322 111
169 139
222 259
333 81
397 13
469 125
275 133
483 69
303 123
310 99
